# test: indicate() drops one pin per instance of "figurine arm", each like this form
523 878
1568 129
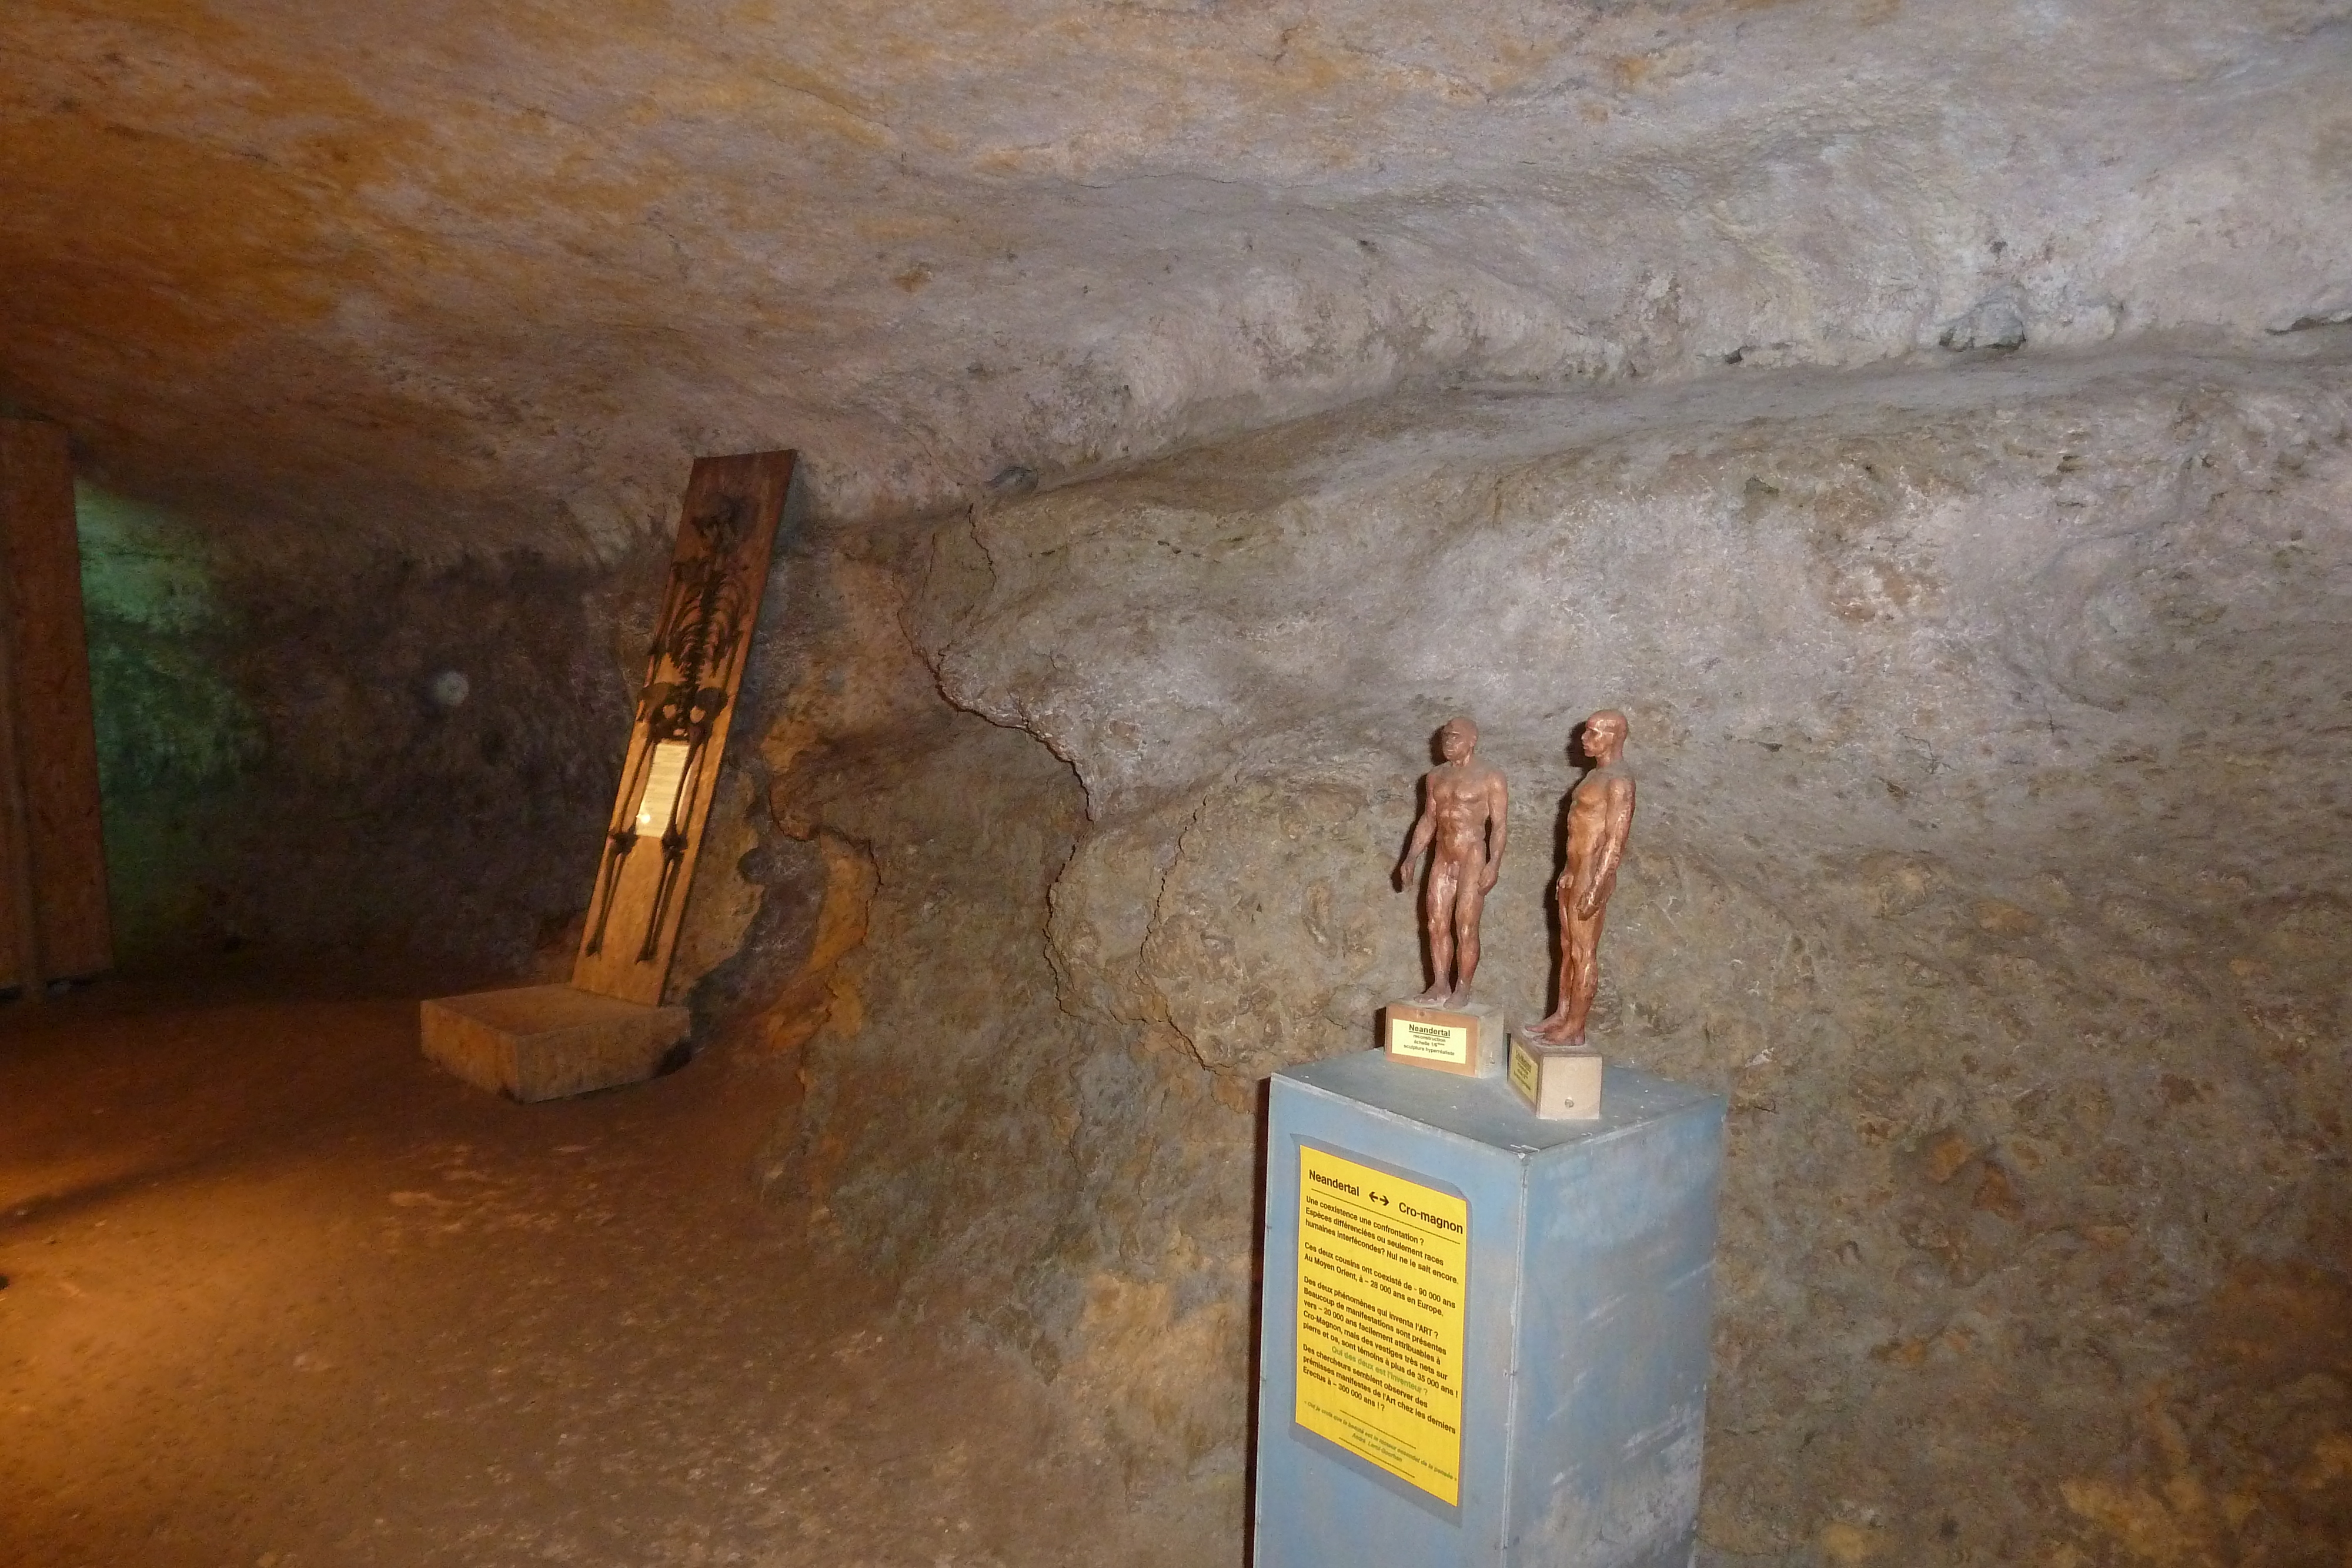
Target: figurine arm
1424 830
1594 892
1498 830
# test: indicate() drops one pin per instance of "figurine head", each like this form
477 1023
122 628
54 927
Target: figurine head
1605 736
1458 740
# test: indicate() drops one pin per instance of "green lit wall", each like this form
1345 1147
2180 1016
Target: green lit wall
287 757
176 739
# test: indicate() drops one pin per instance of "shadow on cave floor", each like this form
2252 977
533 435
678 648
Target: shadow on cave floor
282 1293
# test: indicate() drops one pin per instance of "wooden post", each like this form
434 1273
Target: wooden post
20 926
56 844
609 1027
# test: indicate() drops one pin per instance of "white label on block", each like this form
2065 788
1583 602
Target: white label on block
1429 1041
665 775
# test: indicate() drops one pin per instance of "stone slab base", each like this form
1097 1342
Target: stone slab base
1464 1040
1558 1083
543 1043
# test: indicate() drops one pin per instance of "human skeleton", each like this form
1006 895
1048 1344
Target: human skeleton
700 637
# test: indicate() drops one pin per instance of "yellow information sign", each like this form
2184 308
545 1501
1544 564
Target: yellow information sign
1382 1263
1525 1075
1430 1041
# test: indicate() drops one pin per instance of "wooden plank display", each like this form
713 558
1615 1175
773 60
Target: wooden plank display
20 927
52 840
694 671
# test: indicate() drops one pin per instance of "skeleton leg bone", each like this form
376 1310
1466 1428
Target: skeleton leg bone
616 856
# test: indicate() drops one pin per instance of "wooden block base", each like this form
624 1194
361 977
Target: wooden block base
1468 1040
1558 1083
543 1043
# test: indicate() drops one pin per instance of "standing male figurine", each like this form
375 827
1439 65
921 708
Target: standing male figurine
1600 819
1464 811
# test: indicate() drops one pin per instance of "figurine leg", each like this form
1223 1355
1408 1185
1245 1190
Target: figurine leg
1467 911
1437 919
1579 979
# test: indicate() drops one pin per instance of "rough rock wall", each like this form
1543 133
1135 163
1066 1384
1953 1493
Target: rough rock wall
1990 717
1993 728
389 753
507 266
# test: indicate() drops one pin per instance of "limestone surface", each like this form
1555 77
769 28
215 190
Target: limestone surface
475 276
1927 420
1993 730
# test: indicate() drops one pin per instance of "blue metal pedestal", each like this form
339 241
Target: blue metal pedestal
1535 1399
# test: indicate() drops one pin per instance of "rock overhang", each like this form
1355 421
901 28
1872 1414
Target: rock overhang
470 281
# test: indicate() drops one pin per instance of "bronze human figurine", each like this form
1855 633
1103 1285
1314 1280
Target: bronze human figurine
1600 819
1465 814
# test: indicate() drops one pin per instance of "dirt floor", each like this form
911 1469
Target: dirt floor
282 1293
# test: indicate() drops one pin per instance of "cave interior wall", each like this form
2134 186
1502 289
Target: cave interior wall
1928 423
1990 859
1991 740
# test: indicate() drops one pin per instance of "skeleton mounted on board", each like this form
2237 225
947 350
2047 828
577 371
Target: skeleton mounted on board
701 635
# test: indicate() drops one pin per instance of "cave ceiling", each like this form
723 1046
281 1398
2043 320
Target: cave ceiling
485 275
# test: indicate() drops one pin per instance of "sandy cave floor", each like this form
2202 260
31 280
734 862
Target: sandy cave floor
282 1293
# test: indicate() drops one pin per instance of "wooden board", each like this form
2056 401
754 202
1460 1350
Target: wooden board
55 745
694 671
20 940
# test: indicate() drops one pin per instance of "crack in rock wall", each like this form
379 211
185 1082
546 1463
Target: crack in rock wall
1993 729
1989 704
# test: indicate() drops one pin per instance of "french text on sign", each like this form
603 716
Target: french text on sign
1381 1265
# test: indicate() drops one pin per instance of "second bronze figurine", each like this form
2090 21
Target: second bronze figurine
1599 820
